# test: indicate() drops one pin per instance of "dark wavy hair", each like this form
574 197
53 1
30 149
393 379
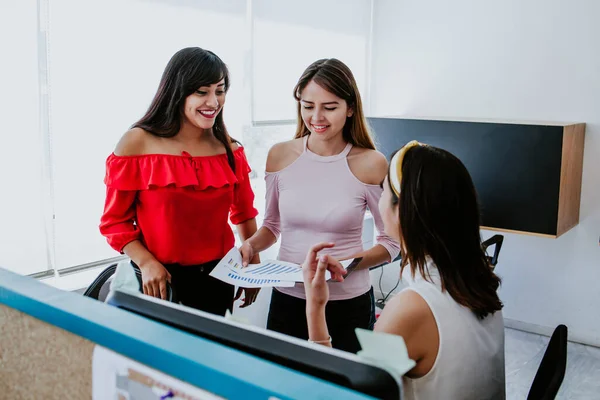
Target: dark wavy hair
440 218
188 70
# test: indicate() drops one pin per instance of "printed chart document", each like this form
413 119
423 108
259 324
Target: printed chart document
267 273
115 377
230 270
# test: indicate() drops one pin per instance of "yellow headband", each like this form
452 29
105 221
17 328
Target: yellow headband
396 165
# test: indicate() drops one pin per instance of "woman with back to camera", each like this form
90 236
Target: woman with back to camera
449 315
332 155
174 181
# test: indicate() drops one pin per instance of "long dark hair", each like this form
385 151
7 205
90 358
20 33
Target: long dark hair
440 218
188 70
335 77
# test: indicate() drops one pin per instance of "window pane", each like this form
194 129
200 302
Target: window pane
22 233
289 36
257 142
103 79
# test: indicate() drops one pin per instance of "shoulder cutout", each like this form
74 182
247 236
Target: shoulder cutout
132 143
283 155
368 166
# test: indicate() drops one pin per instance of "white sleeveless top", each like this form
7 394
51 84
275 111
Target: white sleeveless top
470 360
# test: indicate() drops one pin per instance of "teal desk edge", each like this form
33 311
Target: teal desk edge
211 366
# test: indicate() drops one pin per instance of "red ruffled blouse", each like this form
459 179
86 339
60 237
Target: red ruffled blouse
178 206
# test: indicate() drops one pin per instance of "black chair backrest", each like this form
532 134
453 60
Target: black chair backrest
101 281
100 287
551 371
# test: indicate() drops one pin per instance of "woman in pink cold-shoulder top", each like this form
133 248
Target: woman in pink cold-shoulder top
333 154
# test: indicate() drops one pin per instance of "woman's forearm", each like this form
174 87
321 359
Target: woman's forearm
246 230
137 252
262 240
317 325
373 257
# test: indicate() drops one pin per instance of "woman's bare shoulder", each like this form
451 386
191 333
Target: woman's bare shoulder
283 154
369 166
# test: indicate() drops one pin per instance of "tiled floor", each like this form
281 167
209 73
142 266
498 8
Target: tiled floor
524 352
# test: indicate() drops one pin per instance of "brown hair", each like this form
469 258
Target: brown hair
440 218
335 77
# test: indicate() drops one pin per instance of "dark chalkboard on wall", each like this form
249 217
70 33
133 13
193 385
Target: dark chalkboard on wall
527 176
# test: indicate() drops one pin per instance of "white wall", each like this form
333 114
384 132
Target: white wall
511 59
290 35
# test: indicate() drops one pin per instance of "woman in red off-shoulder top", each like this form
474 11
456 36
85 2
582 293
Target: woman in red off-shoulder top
174 182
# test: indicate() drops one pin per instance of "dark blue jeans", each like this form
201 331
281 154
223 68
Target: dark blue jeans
287 315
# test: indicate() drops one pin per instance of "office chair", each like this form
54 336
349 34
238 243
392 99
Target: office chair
100 287
551 371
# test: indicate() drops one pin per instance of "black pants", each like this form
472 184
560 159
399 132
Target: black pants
193 287
287 314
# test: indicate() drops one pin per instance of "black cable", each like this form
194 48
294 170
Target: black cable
380 276
385 297
390 292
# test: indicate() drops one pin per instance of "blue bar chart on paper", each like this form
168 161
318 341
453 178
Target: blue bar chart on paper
267 273
232 262
244 279
272 267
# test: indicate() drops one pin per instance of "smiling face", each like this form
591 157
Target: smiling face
323 113
202 107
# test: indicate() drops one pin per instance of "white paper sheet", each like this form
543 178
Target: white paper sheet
267 273
273 269
115 377
230 270
282 270
385 350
